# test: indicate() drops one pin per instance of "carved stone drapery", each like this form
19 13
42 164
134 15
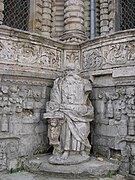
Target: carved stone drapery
69 113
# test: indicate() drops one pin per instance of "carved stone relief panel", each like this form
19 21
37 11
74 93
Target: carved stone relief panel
116 54
72 56
29 54
118 109
8 153
15 98
113 133
22 103
2 156
92 59
109 56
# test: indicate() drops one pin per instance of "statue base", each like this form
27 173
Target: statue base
72 160
92 168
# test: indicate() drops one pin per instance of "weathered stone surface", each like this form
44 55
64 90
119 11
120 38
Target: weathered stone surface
30 176
92 168
104 56
69 114
30 62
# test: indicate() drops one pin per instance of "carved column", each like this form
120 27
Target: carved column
46 21
38 16
112 10
104 17
74 30
87 17
1 11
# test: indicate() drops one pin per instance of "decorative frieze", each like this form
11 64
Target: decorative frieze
109 56
28 54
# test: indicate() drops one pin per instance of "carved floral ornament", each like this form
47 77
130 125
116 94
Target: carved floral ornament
72 56
117 54
92 59
29 54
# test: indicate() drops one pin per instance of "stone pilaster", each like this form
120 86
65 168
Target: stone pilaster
46 17
74 29
104 17
1 11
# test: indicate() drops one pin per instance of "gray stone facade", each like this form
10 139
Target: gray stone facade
31 61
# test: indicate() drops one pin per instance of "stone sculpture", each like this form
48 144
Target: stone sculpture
69 113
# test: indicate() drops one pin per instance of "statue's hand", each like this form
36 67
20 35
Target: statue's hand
52 106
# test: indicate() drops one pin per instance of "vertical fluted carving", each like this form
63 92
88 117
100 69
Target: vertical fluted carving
87 17
38 16
46 17
104 17
112 11
1 11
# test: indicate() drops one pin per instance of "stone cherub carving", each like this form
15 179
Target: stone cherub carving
69 113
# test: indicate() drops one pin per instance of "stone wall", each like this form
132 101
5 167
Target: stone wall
29 63
23 131
24 90
109 62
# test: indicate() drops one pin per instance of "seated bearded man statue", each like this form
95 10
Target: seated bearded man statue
70 105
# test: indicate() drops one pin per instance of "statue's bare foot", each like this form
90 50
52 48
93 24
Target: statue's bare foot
64 155
83 153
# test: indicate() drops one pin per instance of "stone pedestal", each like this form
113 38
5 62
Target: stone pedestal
74 30
92 168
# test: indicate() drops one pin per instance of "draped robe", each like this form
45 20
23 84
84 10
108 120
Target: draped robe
70 97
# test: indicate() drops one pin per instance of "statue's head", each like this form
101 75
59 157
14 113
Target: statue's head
71 68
